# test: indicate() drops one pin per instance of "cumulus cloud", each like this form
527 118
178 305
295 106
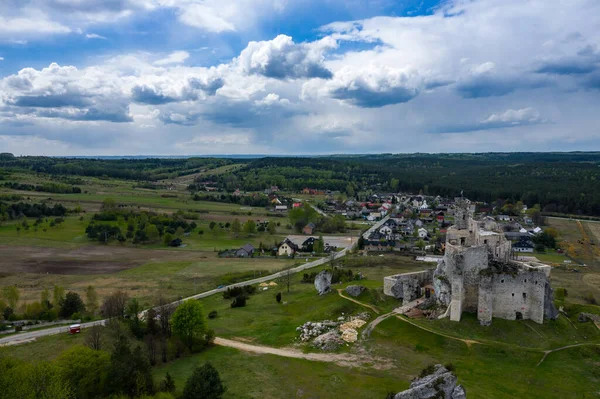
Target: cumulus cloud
176 57
371 87
94 36
63 92
514 117
486 81
281 58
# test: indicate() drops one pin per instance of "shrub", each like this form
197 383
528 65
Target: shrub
239 302
213 314
234 292
427 371
589 298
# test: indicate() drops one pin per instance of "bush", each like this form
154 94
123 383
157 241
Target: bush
239 302
234 292
213 314
589 298
167 385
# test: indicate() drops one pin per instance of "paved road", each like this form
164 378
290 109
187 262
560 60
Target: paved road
31 335
28 336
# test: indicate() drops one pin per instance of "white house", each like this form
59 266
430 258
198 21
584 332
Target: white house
503 218
287 248
422 233
537 230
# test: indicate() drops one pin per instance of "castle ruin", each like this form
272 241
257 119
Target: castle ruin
478 275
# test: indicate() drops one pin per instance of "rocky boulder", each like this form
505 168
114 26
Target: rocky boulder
355 290
330 341
438 383
323 282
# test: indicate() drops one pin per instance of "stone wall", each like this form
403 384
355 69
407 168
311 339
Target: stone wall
406 286
522 294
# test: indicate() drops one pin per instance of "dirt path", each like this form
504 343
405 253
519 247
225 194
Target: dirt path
468 342
398 313
546 353
373 308
346 360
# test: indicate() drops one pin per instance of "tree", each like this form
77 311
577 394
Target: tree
319 245
11 295
168 384
250 227
93 338
271 228
71 305
204 383
58 295
164 311
132 312
420 244
349 190
85 370
7 312
167 239
286 278
278 297
45 298
212 225
236 226
40 380
114 305
91 299
152 232
188 323
108 205
129 372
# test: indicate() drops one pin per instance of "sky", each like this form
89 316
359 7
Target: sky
193 77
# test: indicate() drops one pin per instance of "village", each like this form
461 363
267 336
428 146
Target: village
412 224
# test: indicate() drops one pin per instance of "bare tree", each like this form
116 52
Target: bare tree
164 311
114 305
94 338
286 279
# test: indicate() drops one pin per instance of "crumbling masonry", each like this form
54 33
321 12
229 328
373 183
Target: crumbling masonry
478 275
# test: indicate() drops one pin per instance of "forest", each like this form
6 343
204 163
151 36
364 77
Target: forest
566 183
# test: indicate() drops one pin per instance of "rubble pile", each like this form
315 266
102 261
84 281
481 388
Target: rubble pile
310 330
329 335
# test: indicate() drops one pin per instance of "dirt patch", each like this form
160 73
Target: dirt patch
90 259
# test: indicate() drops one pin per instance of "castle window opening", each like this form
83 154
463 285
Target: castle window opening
502 280
462 241
524 295
513 294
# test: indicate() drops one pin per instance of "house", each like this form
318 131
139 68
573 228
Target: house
422 233
245 251
308 229
385 230
503 218
175 243
296 204
524 245
237 193
308 244
537 230
280 208
287 248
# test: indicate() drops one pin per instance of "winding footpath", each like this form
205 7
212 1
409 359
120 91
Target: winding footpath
31 336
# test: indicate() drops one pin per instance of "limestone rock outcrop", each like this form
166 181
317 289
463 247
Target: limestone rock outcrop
441 383
355 290
323 282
